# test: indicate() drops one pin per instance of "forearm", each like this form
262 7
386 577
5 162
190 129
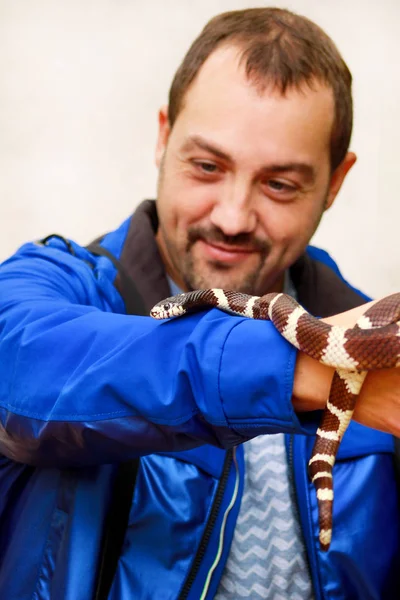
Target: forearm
311 385
82 385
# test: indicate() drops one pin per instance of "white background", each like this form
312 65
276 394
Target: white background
80 85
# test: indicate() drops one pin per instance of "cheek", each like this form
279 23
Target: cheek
278 223
288 225
185 201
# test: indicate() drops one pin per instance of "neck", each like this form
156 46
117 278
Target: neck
170 270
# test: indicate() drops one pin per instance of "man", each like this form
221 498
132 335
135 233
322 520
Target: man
252 149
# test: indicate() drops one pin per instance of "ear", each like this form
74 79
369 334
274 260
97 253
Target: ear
338 177
163 134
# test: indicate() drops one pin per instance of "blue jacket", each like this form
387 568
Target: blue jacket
83 386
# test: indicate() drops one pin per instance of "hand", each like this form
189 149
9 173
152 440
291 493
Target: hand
378 405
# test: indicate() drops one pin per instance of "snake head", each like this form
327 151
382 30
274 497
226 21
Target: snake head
170 307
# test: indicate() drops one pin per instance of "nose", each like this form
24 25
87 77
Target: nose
233 211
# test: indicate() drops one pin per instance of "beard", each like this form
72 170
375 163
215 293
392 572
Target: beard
215 274
218 275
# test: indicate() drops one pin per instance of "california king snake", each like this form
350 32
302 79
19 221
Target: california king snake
373 343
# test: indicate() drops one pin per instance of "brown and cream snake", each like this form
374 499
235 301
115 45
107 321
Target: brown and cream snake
373 343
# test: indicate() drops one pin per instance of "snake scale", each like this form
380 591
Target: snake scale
373 343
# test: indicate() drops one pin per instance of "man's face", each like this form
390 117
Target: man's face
244 178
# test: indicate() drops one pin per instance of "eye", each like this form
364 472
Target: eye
206 166
167 306
280 186
276 185
281 190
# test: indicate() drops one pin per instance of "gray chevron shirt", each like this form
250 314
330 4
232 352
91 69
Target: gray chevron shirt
267 558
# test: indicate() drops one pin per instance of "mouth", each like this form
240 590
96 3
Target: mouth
225 254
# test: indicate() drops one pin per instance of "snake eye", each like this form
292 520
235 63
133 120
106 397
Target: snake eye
167 306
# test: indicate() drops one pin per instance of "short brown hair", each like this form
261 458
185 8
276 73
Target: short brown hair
281 48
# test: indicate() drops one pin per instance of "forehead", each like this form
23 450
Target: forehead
222 103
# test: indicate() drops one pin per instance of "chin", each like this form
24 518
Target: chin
228 281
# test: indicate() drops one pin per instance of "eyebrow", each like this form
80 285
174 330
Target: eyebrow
304 169
198 141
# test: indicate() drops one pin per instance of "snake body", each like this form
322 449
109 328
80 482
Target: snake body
373 343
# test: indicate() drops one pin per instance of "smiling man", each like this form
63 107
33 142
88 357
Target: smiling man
210 417
245 175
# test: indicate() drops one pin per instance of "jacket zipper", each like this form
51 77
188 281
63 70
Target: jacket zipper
222 530
306 539
293 485
209 526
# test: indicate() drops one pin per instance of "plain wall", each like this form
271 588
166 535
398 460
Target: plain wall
81 82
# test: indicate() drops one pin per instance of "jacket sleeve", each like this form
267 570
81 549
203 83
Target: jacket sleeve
81 384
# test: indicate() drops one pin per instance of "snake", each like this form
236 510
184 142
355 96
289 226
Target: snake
373 343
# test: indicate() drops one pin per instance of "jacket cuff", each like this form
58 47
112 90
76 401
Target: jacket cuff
256 380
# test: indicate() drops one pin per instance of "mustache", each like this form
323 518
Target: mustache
217 236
